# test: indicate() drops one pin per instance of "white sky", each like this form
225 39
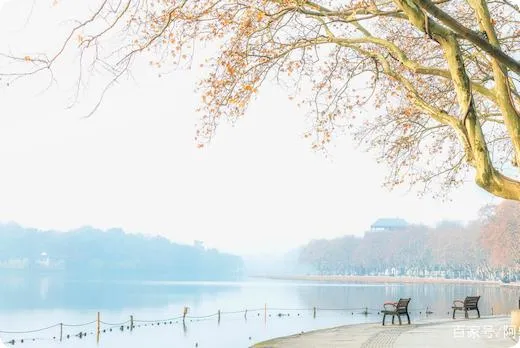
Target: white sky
134 165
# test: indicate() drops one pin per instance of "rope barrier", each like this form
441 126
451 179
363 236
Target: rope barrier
291 309
30 331
153 321
114 324
342 309
130 325
235 312
202 317
79 325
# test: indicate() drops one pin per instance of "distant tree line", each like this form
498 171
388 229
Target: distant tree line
95 254
485 249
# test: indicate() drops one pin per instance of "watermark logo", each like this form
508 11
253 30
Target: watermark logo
476 332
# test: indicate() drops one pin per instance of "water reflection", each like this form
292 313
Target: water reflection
44 287
48 292
436 297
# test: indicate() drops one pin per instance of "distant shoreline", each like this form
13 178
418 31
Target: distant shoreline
388 279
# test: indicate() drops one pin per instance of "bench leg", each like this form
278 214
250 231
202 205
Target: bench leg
453 313
408 316
478 312
384 316
399 317
466 314
393 318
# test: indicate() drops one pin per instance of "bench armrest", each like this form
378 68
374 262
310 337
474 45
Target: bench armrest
460 302
392 304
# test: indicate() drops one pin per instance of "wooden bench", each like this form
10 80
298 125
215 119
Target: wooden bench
396 309
469 304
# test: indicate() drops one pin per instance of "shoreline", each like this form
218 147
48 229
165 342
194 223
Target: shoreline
388 279
442 333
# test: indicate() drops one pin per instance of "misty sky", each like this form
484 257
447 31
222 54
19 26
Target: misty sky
134 164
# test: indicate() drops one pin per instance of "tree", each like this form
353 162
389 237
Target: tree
454 245
482 249
441 75
335 256
113 254
501 236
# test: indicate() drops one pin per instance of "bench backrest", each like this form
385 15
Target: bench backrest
402 305
471 301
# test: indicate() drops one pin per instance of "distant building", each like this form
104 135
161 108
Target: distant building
388 224
44 260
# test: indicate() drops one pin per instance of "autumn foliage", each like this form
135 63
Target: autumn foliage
488 248
501 235
431 86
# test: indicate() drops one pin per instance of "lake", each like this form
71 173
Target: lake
28 303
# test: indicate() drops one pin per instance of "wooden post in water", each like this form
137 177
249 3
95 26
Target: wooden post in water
131 323
314 314
245 314
98 324
185 312
265 313
61 332
219 316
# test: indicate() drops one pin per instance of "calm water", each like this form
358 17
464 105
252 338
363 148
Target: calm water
40 302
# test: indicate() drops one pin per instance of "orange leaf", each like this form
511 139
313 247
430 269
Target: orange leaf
230 69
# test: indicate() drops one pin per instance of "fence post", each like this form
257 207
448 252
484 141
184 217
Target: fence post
61 332
131 323
185 312
265 313
219 316
98 324
314 314
245 314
